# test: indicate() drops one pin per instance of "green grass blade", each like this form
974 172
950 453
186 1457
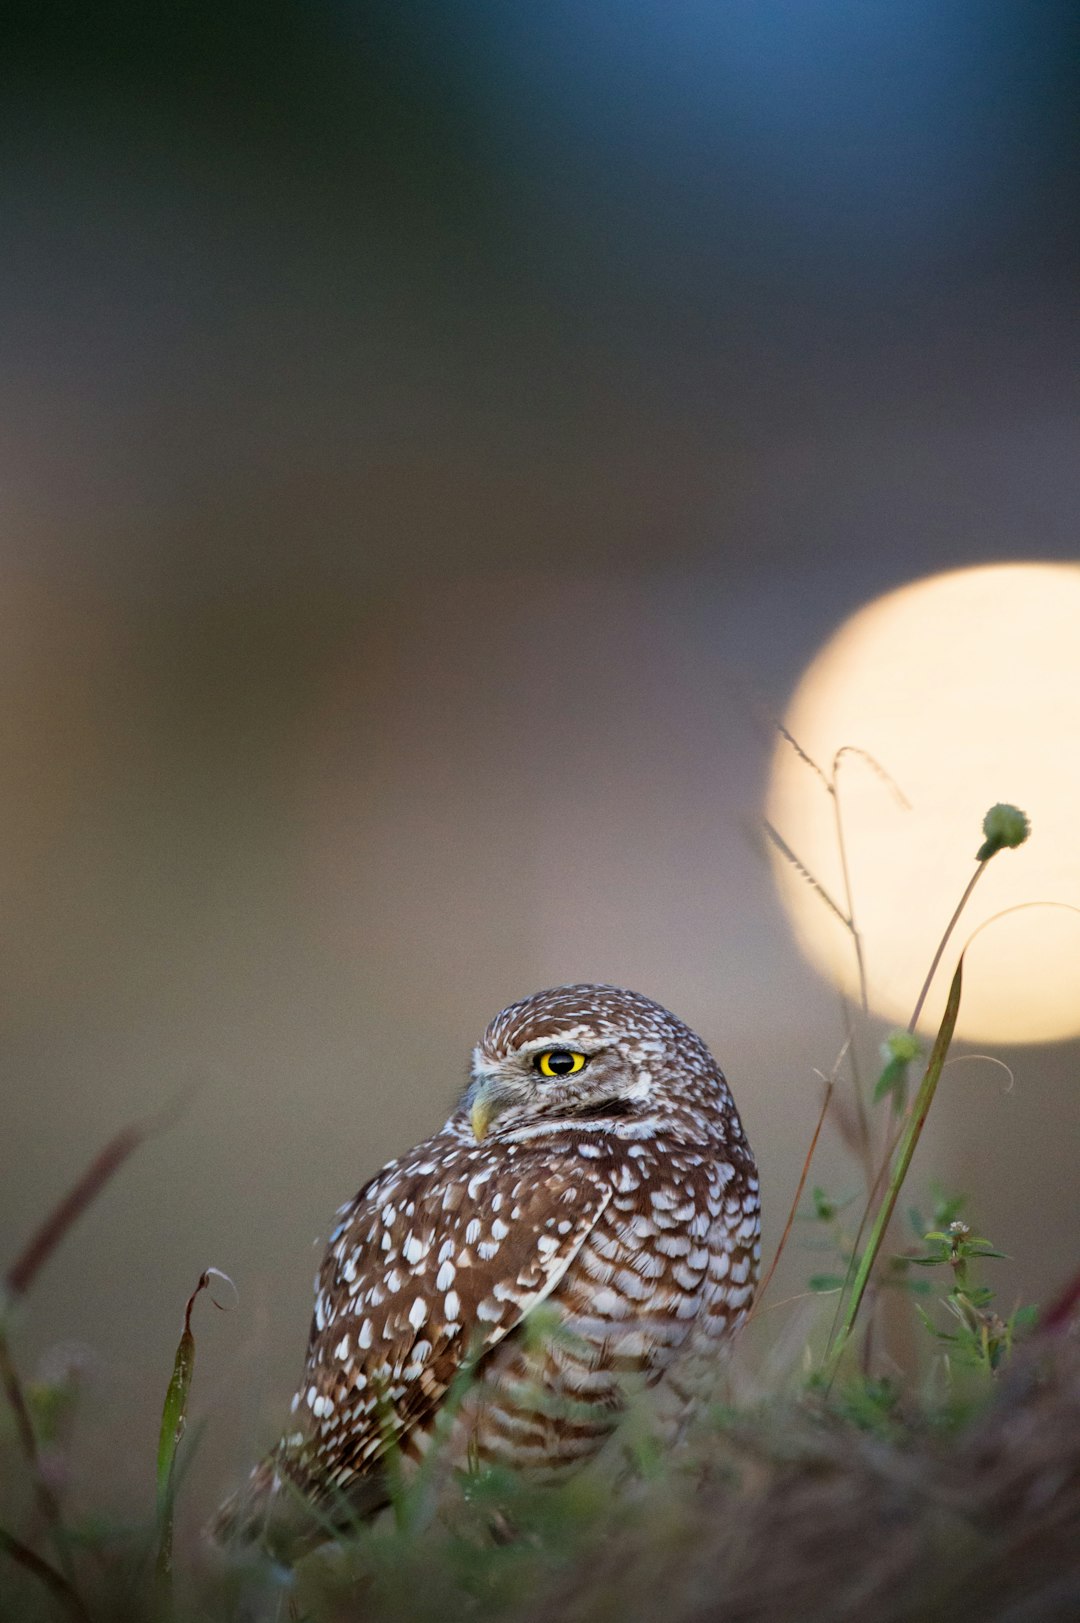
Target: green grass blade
905 1150
173 1426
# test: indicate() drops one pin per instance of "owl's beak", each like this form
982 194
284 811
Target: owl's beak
489 1100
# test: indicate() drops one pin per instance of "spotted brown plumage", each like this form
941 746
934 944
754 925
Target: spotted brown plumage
595 1163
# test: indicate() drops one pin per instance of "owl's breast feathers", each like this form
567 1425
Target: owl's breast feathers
432 1265
440 1257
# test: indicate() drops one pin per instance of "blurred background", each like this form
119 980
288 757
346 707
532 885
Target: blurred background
422 426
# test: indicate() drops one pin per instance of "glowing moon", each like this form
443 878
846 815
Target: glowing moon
966 688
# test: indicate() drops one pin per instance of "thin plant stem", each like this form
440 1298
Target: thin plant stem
861 1118
910 1138
833 783
778 1253
849 1272
841 846
1062 1310
48 1503
864 1144
800 868
22 1272
54 1581
17 1281
943 943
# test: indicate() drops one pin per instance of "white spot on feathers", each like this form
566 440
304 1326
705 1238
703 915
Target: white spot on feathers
418 1313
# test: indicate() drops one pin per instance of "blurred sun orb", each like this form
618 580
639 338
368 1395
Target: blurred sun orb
965 687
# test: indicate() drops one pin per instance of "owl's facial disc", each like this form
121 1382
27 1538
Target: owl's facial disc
558 1078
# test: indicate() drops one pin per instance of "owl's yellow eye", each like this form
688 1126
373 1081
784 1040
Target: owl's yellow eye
559 1062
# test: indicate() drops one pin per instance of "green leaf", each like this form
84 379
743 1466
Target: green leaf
173 1426
893 1080
825 1282
926 1319
947 1208
824 1208
899 1051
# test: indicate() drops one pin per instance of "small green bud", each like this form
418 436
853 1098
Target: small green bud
1003 826
902 1046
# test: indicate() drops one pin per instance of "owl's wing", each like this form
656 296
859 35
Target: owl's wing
433 1263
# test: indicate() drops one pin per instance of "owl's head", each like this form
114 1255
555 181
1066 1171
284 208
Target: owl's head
593 1057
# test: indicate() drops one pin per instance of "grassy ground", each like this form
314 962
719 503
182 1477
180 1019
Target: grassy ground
959 1499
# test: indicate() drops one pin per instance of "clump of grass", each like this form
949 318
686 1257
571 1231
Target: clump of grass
54 1568
1004 828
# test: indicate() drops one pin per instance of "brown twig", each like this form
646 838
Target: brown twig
1066 1304
778 1253
20 1276
54 1581
17 1281
48 1503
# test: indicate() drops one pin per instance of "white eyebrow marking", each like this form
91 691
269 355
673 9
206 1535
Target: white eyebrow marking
582 1035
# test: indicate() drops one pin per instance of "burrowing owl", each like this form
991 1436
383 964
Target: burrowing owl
596 1162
